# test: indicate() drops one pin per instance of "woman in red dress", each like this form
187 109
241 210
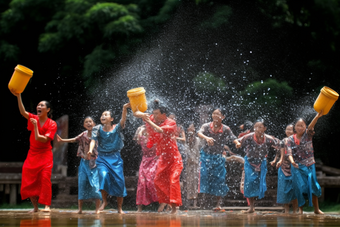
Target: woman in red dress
161 130
37 169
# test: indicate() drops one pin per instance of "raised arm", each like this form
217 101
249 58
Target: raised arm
124 113
22 110
316 118
154 126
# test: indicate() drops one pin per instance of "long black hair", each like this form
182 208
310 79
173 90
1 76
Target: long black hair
48 105
158 106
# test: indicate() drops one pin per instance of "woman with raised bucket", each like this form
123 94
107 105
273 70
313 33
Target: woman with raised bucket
301 154
37 169
161 130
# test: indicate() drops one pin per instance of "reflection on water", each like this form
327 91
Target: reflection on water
35 222
191 218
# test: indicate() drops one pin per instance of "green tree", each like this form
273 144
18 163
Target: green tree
266 98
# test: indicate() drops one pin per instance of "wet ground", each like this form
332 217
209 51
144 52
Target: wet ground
60 217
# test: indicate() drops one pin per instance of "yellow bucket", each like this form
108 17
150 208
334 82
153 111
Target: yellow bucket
325 100
137 99
20 78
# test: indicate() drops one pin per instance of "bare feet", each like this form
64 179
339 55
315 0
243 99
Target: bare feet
140 208
120 211
102 207
318 211
217 208
286 208
173 209
79 212
35 210
300 210
46 209
161 207
249 211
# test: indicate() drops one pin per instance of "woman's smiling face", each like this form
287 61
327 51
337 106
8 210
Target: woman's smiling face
106 118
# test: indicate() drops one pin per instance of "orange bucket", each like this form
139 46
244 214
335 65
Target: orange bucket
325 100
137 99
20 78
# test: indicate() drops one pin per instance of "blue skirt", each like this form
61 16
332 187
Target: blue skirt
286 191
88 181
306 182
254 181
212 174
111 176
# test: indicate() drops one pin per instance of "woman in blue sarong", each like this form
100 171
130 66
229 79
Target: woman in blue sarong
256 145
88 179
109 161
212 160
286 191
301 154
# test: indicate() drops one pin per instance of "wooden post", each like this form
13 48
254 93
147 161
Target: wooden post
7 189
322 197
1 187
13 195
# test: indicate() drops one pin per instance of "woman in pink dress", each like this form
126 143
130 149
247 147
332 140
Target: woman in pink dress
146 191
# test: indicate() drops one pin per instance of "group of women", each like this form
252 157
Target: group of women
164 148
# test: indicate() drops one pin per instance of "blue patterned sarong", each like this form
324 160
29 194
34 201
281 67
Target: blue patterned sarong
254 181
212 174
88 181
286 191
306 182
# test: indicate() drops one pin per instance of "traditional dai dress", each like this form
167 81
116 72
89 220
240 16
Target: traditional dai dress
146 191
37 168
305 176
169 165
88 178
109 161
212 164
193 160
255 163
286 191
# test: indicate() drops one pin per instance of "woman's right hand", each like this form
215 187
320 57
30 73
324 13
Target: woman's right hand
295 165
210 141
278 164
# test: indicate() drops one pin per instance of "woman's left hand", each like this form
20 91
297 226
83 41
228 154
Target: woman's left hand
33 121
127 105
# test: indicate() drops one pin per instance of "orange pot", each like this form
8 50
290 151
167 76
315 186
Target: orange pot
325 100
137 99
20 78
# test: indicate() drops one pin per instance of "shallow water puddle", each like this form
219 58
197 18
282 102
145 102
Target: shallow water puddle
183 218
